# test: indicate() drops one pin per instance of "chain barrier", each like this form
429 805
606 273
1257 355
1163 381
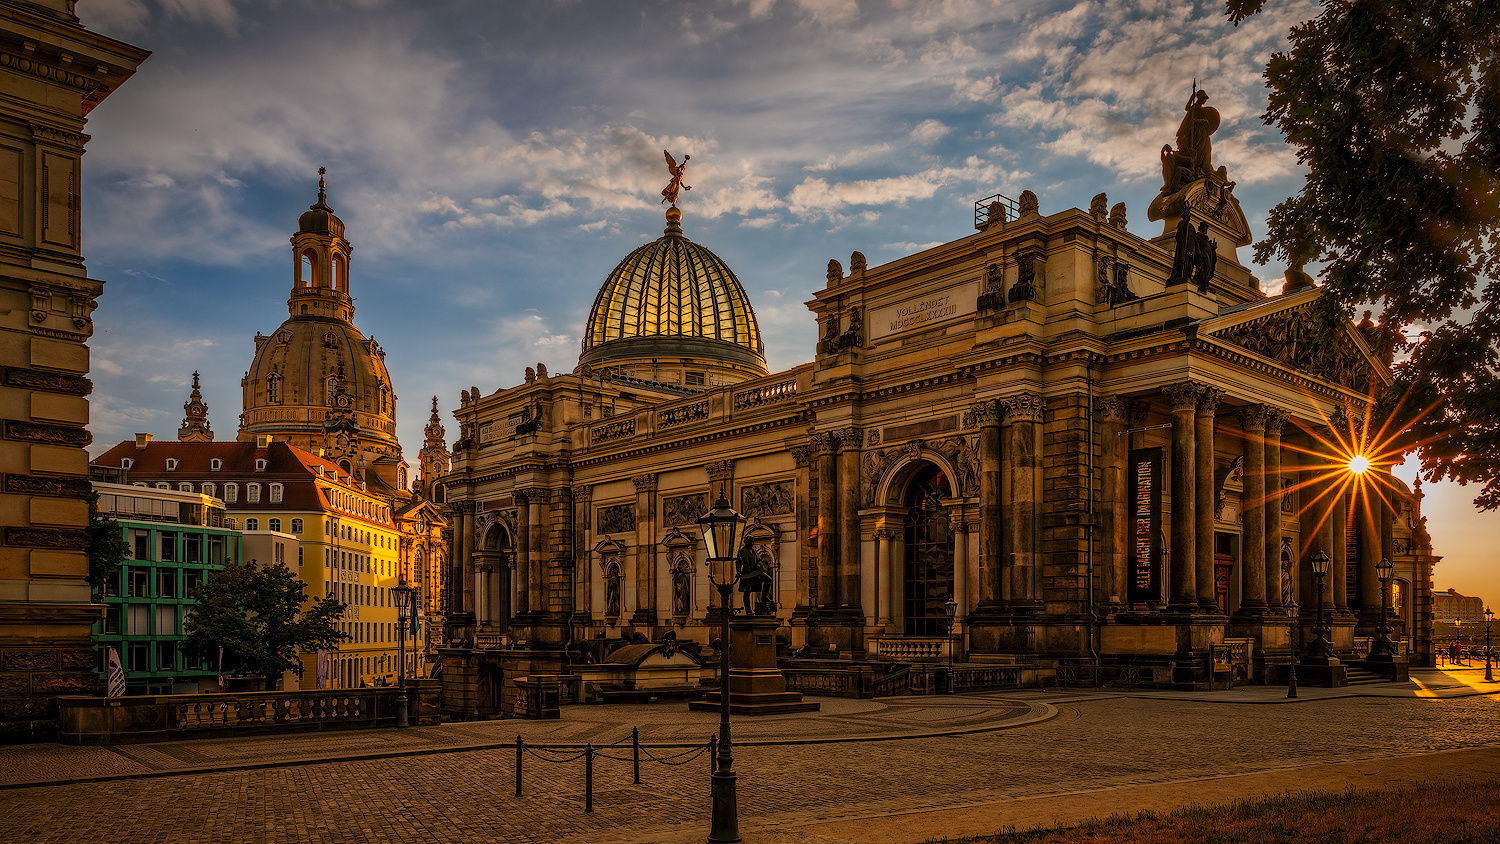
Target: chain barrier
564 753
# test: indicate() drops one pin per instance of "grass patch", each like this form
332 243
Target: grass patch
1435 812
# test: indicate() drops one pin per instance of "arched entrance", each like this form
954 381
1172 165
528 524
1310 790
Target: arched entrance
494 574
927 584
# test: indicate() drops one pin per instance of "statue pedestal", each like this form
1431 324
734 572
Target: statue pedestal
756 686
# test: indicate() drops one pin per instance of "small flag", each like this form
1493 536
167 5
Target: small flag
115 674
222 687
322 668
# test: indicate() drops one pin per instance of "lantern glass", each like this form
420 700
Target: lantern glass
402 594
1383 568
1489 615
1320 562
719 528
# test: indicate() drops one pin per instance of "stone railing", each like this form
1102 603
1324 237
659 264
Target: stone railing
123 720
767 394
616 430
829 682
988 677
908 649
489 640
694 412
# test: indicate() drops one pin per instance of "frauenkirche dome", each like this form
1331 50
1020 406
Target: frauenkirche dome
669 305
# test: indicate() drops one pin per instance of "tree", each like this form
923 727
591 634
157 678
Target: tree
107 546
1394 107
256 615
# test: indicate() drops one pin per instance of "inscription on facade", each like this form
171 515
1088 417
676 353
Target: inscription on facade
924 311
1145 522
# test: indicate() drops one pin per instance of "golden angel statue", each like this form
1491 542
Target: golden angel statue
669 193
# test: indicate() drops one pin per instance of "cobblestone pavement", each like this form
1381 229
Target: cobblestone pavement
1008 751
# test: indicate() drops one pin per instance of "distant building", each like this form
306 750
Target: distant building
177 540
1450 605
53 73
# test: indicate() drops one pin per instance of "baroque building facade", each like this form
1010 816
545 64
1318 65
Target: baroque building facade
1107 452
53 72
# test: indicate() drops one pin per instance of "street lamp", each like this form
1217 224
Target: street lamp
402 595
1489 618
1319 646
1291 676
950 607
1458 643
1383 648
719 528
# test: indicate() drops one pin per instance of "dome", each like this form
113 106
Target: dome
674 303
319 218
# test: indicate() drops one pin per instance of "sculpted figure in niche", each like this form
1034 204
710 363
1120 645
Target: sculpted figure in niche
612 592
755 581
681 591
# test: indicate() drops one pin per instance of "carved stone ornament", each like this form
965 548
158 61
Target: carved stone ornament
1029 270
802 455
1222 477
644 483
983 414
992 296
48 434
1113 409
1117 215
719 470
1275 419
618 518
961 451
50 382
1287 337
1253 418
1028 204
773 498
1183 396
685 509
60 538
34 485
1024 407
850 438
1097 206
1208 401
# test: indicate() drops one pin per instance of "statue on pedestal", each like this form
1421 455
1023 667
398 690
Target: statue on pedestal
755 581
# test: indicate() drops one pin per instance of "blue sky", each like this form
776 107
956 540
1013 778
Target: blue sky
494 160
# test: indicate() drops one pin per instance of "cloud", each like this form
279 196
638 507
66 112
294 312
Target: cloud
929 131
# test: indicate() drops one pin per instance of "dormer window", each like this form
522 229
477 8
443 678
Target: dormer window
126 463
215 464
276 490
260 464
171 464
252 493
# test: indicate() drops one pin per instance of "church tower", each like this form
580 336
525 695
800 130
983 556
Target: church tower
435 458
195 428
316 382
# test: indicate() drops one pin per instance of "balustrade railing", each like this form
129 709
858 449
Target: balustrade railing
767 394
618 429
682 415
906 648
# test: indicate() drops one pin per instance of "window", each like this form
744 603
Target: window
192 549
232 524
695 379
171 464
168 547
137 584
273 390
280 553
215 464
166 583
112 618
191 580
184 487
252 493
299 556
136 656
296 525
142 546
273 524
231 493
210 489
252 524
166 656
166 621
260 464
276 493
126 463
163 485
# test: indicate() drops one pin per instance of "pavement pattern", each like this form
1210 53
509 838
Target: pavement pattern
889 771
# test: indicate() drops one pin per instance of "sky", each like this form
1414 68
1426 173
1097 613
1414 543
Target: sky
493 161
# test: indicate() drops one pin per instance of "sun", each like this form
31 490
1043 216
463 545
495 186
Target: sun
1358 464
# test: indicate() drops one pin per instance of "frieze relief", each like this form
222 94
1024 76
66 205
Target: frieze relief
1287 337
774 498
51 382
685 509
617 518
961 451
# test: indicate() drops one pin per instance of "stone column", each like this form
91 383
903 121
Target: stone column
887 563
850 441
1021 457
805 458
1182 592
1275 601
526 603
960 571
645 549
1114 512
1203 496
1339 576
828 520
1254 568
991 563
466 553
583 603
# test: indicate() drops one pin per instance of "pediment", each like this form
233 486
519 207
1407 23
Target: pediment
1283 330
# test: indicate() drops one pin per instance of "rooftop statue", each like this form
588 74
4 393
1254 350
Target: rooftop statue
1193 158
669 193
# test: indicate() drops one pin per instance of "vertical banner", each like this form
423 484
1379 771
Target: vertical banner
322 668
115 674
1145 525
222 684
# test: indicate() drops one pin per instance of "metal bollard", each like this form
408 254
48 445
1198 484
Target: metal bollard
588 778
520 746
635 752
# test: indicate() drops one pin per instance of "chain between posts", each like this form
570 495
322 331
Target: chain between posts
563 753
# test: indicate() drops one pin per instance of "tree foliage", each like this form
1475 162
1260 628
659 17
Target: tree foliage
256 614
107 546
1394 108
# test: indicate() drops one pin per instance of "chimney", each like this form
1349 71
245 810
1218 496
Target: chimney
142 440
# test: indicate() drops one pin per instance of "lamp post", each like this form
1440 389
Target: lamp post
950 606
1458 643
719 528
1291 675
1319 646
1383 648
402 595
1489 672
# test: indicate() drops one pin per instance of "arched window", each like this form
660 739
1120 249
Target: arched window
306 272
184 487
171 464
252 524
231 493
296 525
215 464
252 493
304 309
340 280
209 489
333 387
273 389
273 524
276 490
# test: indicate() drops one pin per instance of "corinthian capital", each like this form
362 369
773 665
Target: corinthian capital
1183 396
1208 401
645 483
1024 407
986 414
1253 417
850 438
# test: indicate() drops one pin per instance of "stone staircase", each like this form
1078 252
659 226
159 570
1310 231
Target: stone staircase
1361 676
